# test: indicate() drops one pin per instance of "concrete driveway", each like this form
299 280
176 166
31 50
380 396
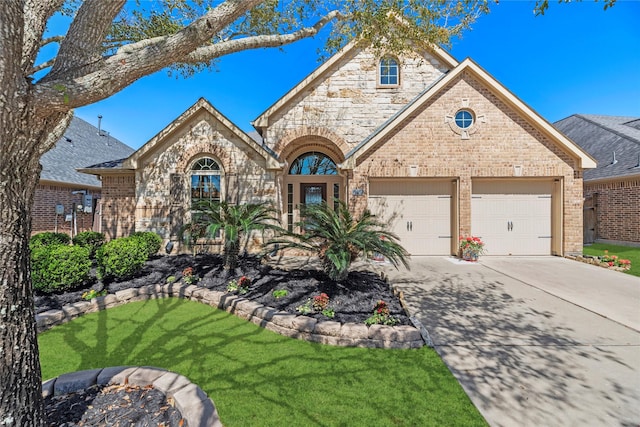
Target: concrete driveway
540 341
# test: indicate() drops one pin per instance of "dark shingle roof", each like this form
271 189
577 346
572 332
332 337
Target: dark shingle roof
601 137
80 146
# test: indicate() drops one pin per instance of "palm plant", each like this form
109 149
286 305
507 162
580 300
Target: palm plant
235 222
338 238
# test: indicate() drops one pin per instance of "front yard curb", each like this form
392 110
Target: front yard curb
283 323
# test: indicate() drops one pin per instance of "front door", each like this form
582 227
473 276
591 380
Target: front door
311 194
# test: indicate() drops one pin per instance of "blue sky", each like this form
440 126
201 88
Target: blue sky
576 58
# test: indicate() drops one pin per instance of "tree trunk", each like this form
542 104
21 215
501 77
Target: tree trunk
23 139
20 378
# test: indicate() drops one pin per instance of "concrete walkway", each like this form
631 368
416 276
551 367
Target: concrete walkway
533 341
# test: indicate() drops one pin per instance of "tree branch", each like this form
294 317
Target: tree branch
77 87
41 67
83 43
36 15
207 53
54 39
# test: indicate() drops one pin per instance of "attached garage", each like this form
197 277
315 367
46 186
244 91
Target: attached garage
516 217
418 211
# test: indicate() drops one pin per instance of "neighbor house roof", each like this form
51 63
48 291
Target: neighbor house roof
81 145
613 141
468 66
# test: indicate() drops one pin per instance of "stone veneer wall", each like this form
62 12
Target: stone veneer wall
162 192
283 323
349 102
500 140
617 210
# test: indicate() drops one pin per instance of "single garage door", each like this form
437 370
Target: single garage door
418 212
512 217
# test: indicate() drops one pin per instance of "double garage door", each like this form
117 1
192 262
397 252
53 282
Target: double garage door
418 212
513 217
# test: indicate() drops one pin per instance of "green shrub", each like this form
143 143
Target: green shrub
150 240
59 268
121 258
49 238
91 240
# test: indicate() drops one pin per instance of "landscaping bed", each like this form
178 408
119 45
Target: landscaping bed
351 301
113 405
603 254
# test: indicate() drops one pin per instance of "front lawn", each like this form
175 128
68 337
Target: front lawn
258 378
624 252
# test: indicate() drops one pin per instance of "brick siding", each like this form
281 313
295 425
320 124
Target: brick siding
44 217
494 147
617 209
118 205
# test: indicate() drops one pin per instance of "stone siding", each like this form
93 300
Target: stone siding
348 101
617 209
162 193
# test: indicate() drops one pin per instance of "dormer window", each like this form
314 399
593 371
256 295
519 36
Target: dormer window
389 72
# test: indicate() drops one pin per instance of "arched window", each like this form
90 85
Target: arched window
313 164
205 181
389 72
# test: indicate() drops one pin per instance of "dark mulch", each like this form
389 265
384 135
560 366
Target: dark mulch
115 405
352 301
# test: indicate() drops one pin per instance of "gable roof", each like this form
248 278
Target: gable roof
601 137
80 145
497 89
201 104
262 121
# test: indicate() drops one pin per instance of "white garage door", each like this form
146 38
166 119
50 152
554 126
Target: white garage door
418 211
512 217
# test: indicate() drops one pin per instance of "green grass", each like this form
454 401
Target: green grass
625 252
259 378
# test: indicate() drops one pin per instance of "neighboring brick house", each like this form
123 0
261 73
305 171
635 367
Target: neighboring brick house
436 147
65 199
612 190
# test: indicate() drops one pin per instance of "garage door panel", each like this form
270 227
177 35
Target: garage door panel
512 223
419 213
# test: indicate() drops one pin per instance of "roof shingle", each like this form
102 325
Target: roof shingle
81 145
601 137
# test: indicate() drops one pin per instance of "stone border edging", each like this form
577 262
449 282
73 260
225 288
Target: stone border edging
593 260
283 323
192 402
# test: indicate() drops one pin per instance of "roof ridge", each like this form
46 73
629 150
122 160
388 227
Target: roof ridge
609 128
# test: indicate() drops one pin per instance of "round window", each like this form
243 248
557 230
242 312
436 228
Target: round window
464 119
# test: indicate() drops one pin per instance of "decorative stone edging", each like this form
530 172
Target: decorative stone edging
595 261
283 323
193 403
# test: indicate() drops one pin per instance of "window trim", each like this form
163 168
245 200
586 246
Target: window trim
209 171
380 84
472 119
318 154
